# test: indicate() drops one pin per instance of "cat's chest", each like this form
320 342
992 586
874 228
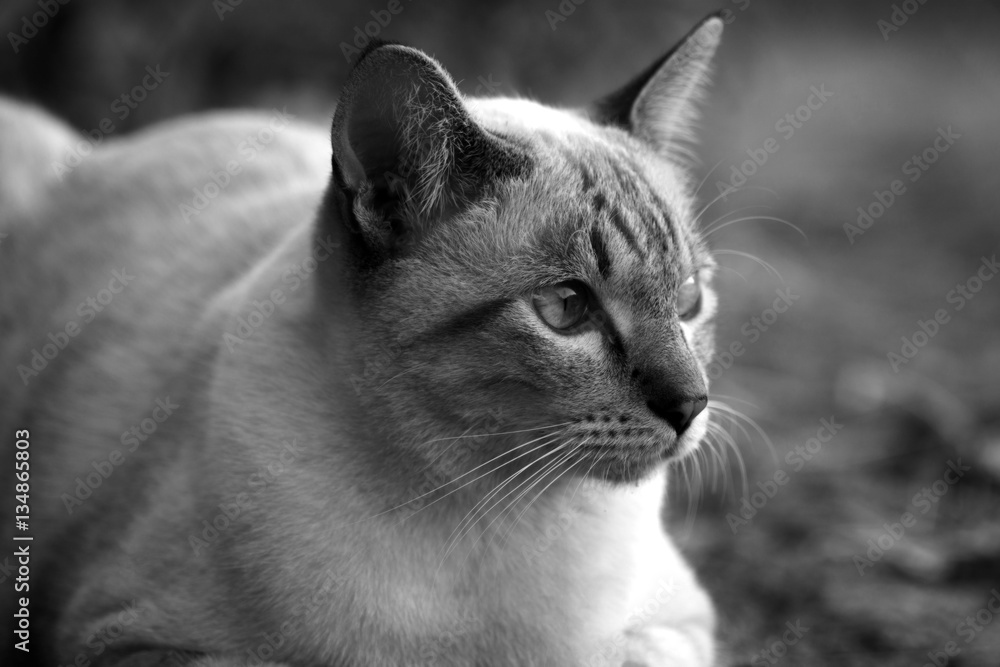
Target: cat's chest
558 587
562 586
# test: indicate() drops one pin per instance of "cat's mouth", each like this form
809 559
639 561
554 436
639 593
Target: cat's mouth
632 453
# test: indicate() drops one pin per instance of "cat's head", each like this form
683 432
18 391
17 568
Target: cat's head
514 266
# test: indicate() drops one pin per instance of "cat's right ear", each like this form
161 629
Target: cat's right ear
406 152
660 105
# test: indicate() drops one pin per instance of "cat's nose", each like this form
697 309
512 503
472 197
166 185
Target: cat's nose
679 412
674 391
669 378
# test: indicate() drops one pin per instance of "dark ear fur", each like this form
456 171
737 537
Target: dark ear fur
659 105
406 152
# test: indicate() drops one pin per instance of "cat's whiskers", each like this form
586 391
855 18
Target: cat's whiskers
703 467
719 458
709 468
726 442
447 449
467 525
471 516
723 225
735 211
739 189
566 458
731 445
730 438
551 437
721 195
739 253
583 479
705 179
684 463
718 465
495 458
401 373
465 474
466 434
737 418
533 480
729 268
482 435
679 472
736 399
697 216
693 477
719 441
527 484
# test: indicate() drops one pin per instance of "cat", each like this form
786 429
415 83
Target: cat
400 393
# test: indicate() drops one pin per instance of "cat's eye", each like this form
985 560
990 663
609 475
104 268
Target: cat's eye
689 298
562 306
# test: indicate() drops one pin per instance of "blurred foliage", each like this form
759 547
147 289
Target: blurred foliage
826 357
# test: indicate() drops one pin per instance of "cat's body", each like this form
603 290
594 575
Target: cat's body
286 391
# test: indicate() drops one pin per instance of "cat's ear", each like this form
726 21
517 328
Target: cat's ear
406 152
660 105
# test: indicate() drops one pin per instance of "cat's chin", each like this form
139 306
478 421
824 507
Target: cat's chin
629 470
621 472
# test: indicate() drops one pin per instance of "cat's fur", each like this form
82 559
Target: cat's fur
288 485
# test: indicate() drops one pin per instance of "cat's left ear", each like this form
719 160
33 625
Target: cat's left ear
659 105
406 150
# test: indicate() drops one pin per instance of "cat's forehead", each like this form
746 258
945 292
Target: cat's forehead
518 116
607 157
599 192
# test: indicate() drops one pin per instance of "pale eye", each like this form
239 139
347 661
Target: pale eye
689 298
561 306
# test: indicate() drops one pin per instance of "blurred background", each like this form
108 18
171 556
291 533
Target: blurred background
851 181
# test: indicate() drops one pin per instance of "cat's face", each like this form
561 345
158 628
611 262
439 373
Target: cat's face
555 282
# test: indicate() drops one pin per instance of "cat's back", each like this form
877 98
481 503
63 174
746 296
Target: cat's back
109 262
170 214
218 184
